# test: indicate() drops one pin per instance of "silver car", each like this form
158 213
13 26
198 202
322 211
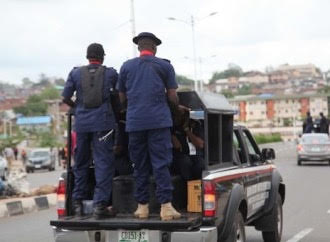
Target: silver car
314 147
3 168
40 159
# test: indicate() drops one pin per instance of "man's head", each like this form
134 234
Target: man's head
321 114
95 52
308 114
147 41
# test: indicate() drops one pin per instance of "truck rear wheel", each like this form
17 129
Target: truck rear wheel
237 232
276 234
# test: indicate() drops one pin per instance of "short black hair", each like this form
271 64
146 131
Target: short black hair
95 51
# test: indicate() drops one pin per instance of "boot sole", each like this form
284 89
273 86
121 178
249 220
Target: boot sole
168 218
141 217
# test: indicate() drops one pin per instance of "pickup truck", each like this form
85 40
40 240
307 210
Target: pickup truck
240 187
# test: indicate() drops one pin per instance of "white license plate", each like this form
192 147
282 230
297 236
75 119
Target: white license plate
133 236
37 166
316 149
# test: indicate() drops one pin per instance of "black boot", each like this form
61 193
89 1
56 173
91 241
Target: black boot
77 208
101 211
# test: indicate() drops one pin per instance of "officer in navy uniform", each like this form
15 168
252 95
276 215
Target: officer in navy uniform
147 86
94 122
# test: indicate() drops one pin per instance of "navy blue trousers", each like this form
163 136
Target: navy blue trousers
90 148
151 150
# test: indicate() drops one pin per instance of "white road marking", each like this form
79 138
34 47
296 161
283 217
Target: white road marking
328 212
300 235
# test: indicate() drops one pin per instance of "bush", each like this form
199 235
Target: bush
269 138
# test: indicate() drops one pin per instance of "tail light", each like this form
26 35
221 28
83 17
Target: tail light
209 199
300 148
61 212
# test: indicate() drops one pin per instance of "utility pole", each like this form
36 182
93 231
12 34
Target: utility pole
133 26
194 50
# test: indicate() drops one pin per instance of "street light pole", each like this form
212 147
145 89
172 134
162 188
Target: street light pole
133 26
194 51
192 24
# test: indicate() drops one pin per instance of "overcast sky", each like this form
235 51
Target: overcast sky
51 36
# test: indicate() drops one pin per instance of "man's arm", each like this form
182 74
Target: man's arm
68 91
195 140
123 99
69 102
173 99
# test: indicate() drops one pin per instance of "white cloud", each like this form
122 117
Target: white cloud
52 36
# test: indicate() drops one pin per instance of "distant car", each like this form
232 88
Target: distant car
40 159
3 168
314 147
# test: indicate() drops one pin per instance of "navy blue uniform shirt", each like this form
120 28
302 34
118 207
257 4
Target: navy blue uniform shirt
91 119
144 80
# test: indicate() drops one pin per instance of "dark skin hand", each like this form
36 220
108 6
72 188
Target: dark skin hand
195 140
176 143
69 102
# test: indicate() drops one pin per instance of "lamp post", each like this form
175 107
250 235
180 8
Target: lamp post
132 20
192 24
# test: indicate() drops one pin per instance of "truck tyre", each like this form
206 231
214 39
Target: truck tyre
277 217
299 162
237 232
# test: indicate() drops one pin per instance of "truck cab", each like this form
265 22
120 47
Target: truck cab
240 186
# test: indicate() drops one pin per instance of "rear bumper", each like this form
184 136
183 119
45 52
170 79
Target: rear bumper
319 157
41 166
206 234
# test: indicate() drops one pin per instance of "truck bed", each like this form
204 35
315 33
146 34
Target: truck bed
188 221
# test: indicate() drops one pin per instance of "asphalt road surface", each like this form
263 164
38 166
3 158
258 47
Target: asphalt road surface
306 208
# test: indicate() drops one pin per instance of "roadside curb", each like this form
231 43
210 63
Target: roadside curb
16 206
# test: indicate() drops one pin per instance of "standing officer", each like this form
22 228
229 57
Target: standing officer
94 121
148 85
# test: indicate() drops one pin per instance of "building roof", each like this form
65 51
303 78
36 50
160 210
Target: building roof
33 120
276 97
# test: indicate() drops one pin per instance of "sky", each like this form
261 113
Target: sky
51 36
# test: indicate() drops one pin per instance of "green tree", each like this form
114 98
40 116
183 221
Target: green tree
226 74
50 93
46 139
183 80
325 89
60 81
244 90
227 93
34 106
27 82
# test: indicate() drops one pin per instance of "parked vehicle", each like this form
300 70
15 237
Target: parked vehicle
314 147
240 187
41 158
3 168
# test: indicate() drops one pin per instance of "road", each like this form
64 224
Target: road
306 209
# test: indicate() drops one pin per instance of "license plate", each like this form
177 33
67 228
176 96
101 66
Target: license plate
133 236
37 166
316 149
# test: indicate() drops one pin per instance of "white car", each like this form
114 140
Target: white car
3 168
40 158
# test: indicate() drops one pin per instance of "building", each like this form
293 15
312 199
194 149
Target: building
38 123
278 110
300 71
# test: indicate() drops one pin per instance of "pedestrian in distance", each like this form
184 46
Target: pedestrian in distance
94 124
15 152
147 86
324 124
308 124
